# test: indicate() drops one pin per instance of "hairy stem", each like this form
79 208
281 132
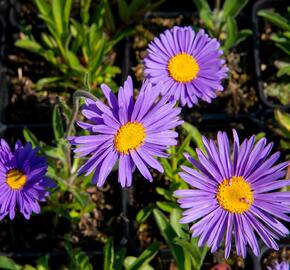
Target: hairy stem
76 98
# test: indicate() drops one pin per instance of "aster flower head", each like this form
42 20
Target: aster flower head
235 191
188 63
132 133
22 179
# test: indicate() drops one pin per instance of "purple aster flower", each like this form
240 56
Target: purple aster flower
22 180
188 63
132 133
280 266
236 192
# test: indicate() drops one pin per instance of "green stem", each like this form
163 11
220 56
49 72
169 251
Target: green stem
174 162
76 98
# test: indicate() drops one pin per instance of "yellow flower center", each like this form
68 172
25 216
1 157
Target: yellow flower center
15 179
129 136
235 195
183 68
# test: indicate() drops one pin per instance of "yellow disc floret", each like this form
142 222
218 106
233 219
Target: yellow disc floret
183 68
15 179
129 137
235 195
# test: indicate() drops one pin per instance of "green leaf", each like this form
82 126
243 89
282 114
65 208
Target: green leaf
167 194
35 47
94 65
137 5
185 143
58 129
57 11
242 35
166 206
83 261
175 216
191 249
66 13
284 71
73 61
285 47
129 260
29 45
100 15
167 168
232 33
42 263
48 41
30 137
94 36
8 264
195 134
28 267
146 256
285 145
259 136
109 255
207 18
232 8
201 5
85 14
169 235
118 37
43 7
41 83
144 213
123 10
283 119
199 253
275 18
109 21
119 259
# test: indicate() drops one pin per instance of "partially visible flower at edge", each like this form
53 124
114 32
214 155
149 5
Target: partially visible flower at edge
22 180
279 266
235 191
188 64
131 132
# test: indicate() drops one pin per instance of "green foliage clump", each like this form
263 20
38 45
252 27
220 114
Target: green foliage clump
74 46
281 38
221 23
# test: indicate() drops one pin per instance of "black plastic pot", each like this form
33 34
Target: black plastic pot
263 4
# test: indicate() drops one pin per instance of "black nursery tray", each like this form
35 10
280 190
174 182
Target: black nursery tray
258 56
